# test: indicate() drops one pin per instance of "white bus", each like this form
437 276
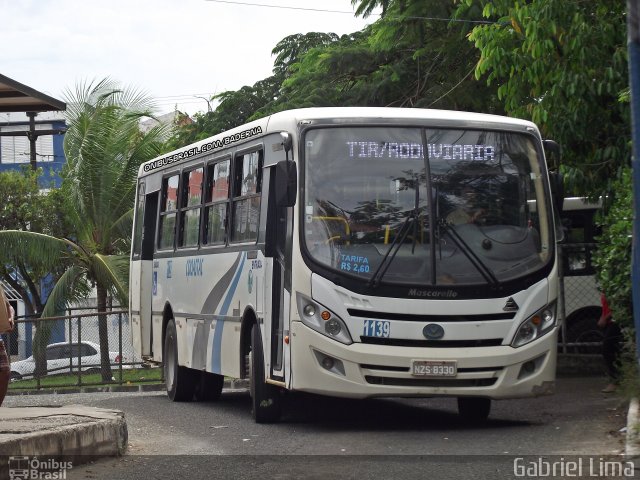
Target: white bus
352 252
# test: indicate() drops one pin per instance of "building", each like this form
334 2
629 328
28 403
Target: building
15 150
31 130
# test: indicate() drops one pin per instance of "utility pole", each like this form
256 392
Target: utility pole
31 135
633 44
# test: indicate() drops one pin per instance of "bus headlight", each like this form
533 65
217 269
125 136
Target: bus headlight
535 326
322 320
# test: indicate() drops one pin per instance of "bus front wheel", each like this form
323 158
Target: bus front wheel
180 381
474 409
265 398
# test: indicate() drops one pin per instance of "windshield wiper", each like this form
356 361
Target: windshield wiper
464 247
391 253
411 220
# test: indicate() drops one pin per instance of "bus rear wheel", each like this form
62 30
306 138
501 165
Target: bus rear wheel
180 381
474 409
265 398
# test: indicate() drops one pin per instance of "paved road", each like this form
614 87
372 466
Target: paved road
361 439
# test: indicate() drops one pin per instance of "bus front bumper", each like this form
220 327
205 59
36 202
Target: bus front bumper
323 366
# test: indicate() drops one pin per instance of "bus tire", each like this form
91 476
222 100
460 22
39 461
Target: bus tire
209 387
584 329
474 409
265 398
180 381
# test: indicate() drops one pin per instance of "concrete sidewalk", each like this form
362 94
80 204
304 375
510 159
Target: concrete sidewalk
632 446
77 432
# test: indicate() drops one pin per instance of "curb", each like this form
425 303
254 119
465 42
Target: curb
105 389
234 384
102 433
632 447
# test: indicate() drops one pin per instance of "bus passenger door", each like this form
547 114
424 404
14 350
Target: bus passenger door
143 284
279 248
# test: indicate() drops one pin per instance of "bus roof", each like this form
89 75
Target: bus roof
287 120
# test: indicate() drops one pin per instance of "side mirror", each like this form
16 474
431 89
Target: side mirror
286 141
557 190
557 195
286 184
552 146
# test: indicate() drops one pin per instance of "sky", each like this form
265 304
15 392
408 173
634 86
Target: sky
174 50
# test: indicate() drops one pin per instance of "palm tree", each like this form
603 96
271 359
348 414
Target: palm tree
104 148
366 7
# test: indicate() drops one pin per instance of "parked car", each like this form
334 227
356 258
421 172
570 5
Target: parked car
63 358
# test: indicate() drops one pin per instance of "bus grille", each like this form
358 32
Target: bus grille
392 368
431 382
407 317
398 342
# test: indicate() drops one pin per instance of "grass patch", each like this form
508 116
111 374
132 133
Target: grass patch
629 382
630 379
130 376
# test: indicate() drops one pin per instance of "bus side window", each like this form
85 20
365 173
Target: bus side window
246 202
216 203
190 205
139 218
168 212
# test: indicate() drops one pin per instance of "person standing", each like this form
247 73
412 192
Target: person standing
5 366
611 345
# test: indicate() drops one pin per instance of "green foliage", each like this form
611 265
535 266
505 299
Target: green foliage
562 64
292 48
26 207
629 382
366 7
104 149
19 191
405 59
613 256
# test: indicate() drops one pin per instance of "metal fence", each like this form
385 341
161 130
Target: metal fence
71 350
579 300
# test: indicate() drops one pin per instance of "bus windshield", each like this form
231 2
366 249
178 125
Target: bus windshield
417 206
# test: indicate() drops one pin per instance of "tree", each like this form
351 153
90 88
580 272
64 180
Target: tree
613 255
104 148
415 55
292 48
25 207
562 64
366 7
